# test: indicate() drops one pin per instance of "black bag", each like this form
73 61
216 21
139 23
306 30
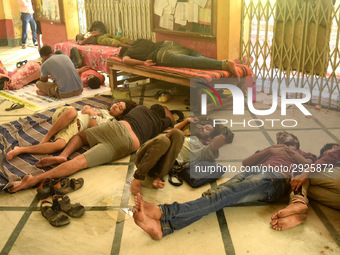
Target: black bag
182 172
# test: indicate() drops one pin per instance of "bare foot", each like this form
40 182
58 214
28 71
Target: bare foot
294 208
289 221
13 153
150 225
150 210
51 161
136 186
158 183
231 67
25 183
40 93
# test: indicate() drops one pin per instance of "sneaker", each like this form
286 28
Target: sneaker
35 44
24 46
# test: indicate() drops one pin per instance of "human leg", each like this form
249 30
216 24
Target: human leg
63 170
73 145
253 188
146 158
42 148
166 162
47 88
62 118
24 20
33 28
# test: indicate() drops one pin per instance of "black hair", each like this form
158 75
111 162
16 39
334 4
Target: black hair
158 109
123 50
326 147
45 51
94 82
79 37
129 106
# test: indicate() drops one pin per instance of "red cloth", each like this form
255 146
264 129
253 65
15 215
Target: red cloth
332 157
84 74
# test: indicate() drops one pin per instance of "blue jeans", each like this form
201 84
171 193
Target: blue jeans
242 188
25 19
173 54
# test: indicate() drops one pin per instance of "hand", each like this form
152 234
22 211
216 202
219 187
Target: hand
280 150
298 181
194 120
95 33
88 110
149 63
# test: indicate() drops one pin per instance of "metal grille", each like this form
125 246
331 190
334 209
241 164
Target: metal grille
294 43
131 16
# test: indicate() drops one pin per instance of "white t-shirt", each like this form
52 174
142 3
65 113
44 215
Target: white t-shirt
84 119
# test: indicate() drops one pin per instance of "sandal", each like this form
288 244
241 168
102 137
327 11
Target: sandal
63 203
64 185
15 106
54 217
45 189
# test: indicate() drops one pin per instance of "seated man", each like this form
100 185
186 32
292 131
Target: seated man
67 81
171 54
157 156
95 37
321 182
67 122
108 142
258 183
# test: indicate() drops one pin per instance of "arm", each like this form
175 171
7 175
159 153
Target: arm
93 33
132 62
257 157
91 112
44 78
83 69
186 122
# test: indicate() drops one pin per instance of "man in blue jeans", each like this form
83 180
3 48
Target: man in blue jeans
256 183
26 10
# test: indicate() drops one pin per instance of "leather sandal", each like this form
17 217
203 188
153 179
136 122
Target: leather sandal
64 185
55 218
45 189
63 203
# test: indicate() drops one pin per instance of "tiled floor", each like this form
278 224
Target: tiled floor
107 229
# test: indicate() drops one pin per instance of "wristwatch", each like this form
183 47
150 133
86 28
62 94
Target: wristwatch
94 117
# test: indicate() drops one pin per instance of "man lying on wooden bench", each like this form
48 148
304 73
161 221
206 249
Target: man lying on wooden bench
171 54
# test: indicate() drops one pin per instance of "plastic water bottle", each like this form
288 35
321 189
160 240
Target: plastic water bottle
126 84
119 31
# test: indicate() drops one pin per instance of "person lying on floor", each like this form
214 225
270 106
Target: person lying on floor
257 184
67 122
90 77
157 156
108 142
67 80
321 182
171 54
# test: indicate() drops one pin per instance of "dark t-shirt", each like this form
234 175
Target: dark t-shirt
143 50
146 124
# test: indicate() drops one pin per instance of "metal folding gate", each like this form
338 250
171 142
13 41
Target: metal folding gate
131 16
294 43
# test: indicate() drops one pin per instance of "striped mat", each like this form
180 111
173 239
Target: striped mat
29 131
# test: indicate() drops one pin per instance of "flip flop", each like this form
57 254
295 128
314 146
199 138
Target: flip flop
15 106
54 217
63 203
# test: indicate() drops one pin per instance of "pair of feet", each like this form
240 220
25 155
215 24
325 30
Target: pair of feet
136 185
289 217
147 216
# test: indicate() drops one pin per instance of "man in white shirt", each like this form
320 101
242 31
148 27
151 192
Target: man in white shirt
26 10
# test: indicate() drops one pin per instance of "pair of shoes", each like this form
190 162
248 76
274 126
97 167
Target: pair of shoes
24 46
62 186
55 213
15 106
21 63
